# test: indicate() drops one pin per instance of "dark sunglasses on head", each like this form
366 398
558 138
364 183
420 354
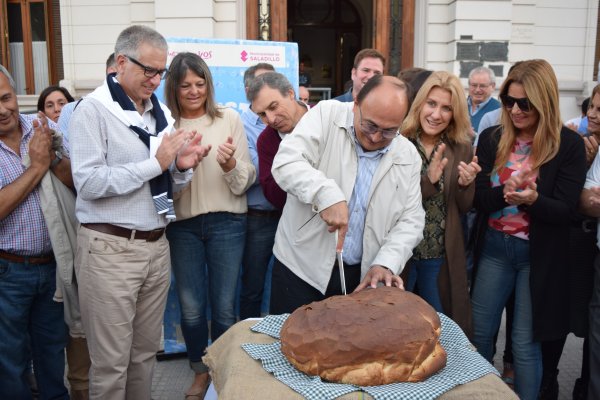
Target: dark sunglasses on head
509 102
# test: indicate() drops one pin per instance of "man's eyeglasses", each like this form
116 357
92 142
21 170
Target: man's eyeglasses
479 85
149 72
509 102
369 128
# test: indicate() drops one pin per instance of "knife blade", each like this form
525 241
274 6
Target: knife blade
340 260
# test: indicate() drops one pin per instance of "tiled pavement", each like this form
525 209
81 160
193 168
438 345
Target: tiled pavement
172 377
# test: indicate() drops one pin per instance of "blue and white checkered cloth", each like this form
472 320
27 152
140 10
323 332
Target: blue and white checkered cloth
464 364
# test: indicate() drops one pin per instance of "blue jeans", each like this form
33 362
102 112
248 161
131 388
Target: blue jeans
504 265
206 254
424 274
31 327
260 236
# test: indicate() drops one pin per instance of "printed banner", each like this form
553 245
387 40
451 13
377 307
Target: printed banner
229 58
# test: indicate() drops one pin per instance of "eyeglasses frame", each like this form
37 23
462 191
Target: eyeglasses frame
149 70
386 133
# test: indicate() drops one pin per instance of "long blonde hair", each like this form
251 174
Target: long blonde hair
540 84
460 125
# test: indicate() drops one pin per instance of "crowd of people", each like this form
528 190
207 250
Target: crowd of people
473 203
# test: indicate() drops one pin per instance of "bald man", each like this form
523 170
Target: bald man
346 169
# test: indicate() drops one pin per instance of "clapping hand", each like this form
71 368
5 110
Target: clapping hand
521 188
437 164
170 145
192 153
225 154
40 145
468 172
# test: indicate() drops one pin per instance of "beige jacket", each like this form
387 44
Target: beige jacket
58 206
317 167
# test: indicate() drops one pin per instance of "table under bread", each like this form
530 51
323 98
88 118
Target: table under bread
240 361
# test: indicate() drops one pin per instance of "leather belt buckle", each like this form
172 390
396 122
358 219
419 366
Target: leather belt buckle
154 235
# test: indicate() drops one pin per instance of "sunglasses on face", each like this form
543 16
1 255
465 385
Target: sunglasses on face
509 102
369 128
149 72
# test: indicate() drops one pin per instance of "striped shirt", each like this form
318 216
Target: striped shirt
368 161
24 230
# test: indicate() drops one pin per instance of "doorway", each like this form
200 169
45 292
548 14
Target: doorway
329 33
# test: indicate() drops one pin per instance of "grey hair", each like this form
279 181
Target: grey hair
129 41
11 81
274 80
483 70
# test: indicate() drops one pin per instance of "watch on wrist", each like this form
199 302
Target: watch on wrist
58 157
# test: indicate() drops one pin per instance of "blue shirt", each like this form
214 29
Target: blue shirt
253 127
583 125
65 118
368 161
490 104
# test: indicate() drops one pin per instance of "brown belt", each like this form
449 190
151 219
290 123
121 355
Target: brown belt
264 213
148 236
26 259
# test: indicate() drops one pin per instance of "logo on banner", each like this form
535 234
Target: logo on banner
260 55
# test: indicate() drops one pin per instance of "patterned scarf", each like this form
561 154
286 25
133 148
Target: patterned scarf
160 186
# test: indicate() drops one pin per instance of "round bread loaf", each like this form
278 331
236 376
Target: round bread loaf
373 337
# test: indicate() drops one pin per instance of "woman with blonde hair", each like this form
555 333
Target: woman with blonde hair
207 240
533 171
438 125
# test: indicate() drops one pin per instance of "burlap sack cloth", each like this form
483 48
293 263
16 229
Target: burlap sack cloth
237 376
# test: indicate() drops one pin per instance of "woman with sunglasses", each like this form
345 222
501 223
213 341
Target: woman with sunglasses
207 240
438 125
533 170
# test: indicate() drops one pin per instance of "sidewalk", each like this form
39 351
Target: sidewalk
172 377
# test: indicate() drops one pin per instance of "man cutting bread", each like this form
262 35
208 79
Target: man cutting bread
346 169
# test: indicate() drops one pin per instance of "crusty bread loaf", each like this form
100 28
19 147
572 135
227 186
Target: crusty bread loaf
373 337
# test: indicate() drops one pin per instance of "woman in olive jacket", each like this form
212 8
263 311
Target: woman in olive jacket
438 125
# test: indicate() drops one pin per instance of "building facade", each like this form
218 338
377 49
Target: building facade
67 41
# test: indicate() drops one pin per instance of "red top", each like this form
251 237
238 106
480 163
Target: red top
267 146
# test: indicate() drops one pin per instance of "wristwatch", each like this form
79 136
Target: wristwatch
59 156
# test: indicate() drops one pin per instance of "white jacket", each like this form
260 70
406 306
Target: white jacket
317 167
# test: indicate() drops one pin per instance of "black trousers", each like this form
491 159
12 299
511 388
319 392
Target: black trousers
289 292
594 335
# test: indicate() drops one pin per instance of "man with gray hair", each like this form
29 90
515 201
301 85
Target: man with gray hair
32 325
127 162
482 83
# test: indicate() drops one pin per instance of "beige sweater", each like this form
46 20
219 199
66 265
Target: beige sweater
211 189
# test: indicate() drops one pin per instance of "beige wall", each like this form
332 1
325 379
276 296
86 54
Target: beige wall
562 32
90 29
